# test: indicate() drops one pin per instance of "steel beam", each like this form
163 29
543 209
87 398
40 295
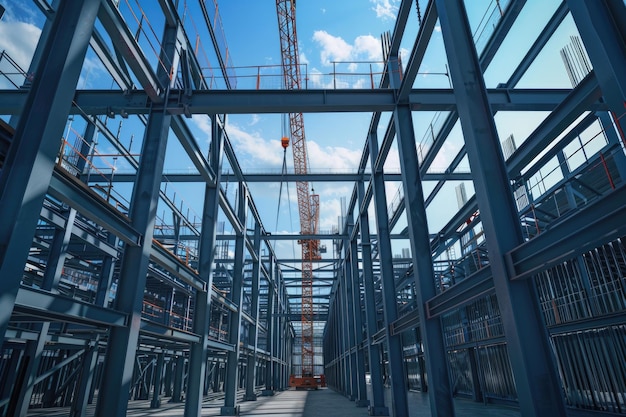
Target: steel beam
107 102
593 226
332 177
48 306
578 101
90 205
124 41
471 288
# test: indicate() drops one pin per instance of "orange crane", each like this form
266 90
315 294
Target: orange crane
308 204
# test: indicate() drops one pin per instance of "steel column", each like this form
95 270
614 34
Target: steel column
28 168
85 381
57 254
614 139
122 344
269 367
350 319
254 313
199 351
390 309
106 275
361 400
536 379
439 392
230 407
179 373
158 382
377 407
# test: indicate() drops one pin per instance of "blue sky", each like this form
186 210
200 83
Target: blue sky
328 31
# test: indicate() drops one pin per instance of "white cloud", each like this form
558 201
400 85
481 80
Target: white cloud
204 125
444 157
334 48
92 73
369 46
385 9
392 163
255 119
19 40
252 149
330 211
336 158
323 10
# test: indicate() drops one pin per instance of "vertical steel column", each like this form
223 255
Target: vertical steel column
377 407
58 253
122 343
29 164
350 325
179 372
602 27
277 334
614 139
202 307
11 374
269 367
106 274
254 313
230 407
344 341
343 366
440 393
536 379
284 333
158 383
85 380
395 356
361 400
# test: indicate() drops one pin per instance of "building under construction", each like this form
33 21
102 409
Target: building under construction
495 285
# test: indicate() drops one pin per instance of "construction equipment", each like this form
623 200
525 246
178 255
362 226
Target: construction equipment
308 203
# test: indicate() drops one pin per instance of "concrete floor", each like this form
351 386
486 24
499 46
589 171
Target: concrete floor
321 403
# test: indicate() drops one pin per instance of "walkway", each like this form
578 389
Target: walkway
322 403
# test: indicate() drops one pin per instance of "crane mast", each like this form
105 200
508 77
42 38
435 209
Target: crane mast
308 204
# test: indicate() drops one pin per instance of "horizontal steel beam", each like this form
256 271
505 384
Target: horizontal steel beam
471 288
290 177
77 195
172 264
111 103
164 332
42 304
598 223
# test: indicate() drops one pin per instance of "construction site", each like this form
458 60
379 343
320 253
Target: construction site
456 247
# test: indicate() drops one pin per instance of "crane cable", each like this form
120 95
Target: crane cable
285 145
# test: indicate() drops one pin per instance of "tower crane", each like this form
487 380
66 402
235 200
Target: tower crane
308 203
